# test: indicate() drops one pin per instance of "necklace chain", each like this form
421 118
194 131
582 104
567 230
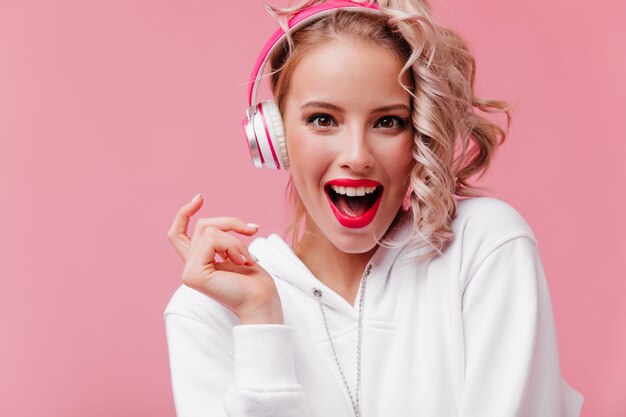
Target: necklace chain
354 398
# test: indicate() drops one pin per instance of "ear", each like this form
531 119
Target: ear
406 203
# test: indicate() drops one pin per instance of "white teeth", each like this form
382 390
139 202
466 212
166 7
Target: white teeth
352 191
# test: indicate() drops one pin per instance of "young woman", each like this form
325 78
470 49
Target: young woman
399 299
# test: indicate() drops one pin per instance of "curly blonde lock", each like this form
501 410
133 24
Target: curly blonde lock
453 141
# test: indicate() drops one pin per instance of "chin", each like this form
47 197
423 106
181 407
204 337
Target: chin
355 245
356 240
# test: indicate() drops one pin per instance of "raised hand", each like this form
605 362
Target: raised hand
236 280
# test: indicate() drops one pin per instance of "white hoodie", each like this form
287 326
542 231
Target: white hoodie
468 334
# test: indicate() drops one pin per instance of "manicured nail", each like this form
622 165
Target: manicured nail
196 197
252 225
244 259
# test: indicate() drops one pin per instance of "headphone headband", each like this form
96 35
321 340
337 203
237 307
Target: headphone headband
263 125
299 19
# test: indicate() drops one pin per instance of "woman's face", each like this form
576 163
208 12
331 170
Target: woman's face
348 127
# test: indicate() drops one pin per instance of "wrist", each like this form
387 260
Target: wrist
266 314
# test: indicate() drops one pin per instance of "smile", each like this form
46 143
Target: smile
354 202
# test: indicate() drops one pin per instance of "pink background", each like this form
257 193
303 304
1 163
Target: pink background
114 113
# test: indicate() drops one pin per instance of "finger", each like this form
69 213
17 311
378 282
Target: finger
181 219
177 233
224 225
205 251
239 253
221 256
217 242
228 224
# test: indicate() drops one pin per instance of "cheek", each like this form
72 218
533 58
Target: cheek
307 159
398 162
296 141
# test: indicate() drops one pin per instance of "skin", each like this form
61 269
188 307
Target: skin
335 128
220 266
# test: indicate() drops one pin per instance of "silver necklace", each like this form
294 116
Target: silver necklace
354 398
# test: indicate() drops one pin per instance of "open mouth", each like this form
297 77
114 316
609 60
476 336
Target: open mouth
353 201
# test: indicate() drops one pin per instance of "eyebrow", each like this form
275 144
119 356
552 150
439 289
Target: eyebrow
330 106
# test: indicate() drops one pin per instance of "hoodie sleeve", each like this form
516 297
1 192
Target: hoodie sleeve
511 355
248 375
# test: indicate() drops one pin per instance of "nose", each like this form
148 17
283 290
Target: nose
356 153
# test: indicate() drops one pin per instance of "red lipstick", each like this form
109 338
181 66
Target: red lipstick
361 220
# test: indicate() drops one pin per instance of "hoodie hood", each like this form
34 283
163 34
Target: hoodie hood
279 260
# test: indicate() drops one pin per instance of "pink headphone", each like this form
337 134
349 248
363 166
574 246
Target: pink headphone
263 125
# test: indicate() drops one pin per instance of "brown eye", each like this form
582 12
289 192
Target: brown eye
390 122
321 120
387 123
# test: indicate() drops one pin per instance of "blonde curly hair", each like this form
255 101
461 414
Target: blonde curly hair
452 141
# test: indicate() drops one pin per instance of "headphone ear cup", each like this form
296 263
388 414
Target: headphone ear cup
253 144
266 136
274 123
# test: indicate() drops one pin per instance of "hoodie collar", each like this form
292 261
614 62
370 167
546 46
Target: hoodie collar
278 259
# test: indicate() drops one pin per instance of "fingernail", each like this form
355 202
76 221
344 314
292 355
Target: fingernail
196 197
254 258
252 225
244 259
